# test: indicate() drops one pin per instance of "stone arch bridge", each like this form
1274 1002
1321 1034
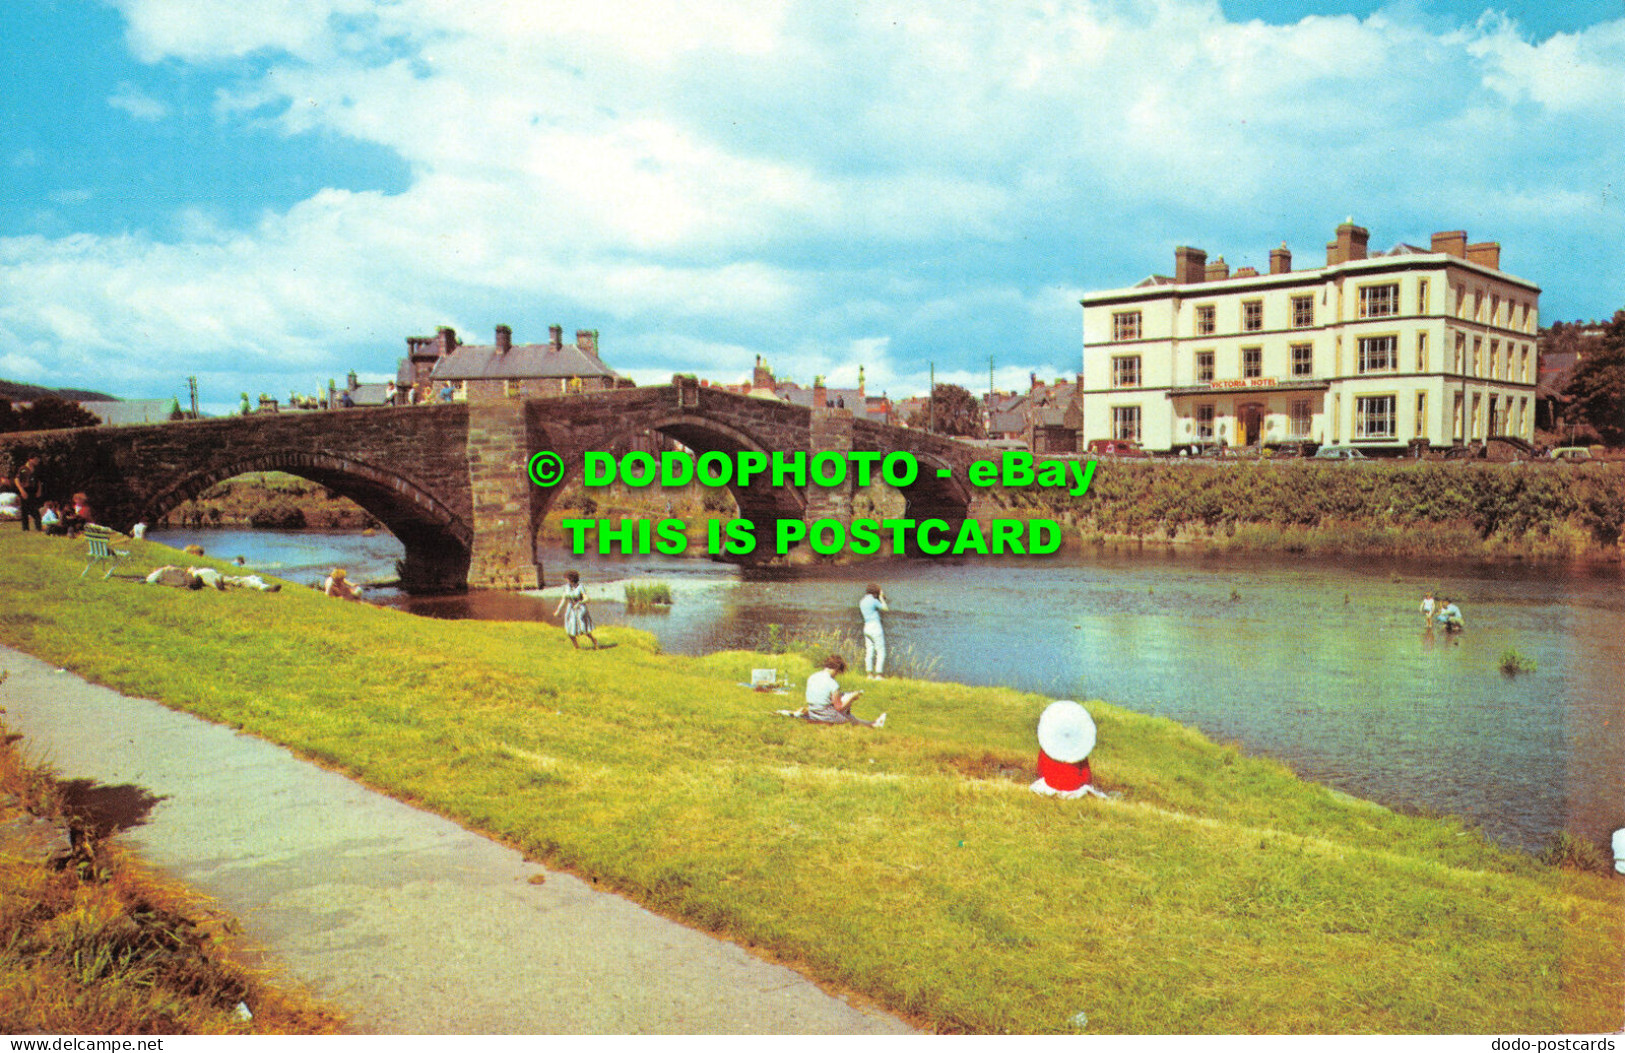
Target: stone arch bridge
450 481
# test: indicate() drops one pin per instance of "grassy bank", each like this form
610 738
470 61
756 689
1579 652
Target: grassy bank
93 943
1410 508
1218 893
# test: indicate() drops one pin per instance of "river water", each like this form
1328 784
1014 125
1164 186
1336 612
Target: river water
1322 664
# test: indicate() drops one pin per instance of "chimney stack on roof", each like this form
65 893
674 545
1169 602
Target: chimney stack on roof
1281 260
504 339
1451 243
1349 246
1217 271
555 338
587 341
1485 254
1189 265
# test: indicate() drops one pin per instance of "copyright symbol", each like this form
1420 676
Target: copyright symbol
546 468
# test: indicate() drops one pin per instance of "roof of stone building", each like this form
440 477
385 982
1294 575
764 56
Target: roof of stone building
133 411
367 394
485 362
1007 412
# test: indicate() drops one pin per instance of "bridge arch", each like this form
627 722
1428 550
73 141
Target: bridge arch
438 543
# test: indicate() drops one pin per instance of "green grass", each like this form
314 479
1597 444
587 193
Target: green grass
1219 893
647 596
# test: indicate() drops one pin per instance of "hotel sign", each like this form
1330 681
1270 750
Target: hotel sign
1250 382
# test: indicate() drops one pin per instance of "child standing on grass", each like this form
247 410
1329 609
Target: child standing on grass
1427 610
577 618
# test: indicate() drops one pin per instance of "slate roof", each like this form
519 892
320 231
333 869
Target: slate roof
132 411
484 362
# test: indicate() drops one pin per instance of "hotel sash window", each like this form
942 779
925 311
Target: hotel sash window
1126 325
1421 429
1252 362
1421 352
1478 305
1204 421
1455 417
1378 354
1461 300
1126 423
1495 358
1302 414
1252 316
1495 309
1126 371
1303 312
1422 296
1478 356
1523 365
1379 301
1204 367
1303 360
1374 417
1478 416
1206 320
1523 409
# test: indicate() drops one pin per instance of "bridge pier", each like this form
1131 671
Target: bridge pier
830 430
503 553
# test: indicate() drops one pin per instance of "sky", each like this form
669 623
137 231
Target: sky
267 201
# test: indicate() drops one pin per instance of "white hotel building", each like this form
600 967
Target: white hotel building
1434 344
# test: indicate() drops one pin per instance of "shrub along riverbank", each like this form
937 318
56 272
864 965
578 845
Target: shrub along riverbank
1411 508
1218 893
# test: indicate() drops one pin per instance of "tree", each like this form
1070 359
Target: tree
956 410
46 413
1597 386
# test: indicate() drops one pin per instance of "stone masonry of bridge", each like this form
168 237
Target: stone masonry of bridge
450 481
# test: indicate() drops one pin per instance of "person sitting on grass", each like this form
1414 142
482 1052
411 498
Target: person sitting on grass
577 618
339 586
825 702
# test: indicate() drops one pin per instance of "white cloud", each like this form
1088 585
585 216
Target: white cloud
821 184
137 103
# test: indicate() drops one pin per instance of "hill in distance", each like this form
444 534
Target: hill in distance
15 392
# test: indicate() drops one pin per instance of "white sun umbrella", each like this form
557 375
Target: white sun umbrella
1066 731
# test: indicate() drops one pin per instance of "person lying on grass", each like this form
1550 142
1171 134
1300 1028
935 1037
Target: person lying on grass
825 702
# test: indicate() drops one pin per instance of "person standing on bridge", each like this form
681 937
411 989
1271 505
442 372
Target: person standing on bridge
874 634
577 618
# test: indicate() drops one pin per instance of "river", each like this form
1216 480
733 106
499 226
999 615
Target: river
1322 664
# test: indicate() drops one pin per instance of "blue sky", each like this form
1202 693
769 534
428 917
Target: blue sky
269 201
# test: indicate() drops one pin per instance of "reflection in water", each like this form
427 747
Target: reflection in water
1324 665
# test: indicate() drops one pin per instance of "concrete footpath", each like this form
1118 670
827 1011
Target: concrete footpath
405 921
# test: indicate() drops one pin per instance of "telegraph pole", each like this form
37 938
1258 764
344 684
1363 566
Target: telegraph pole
191 384
931 403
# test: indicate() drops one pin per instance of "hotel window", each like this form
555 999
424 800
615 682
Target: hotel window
1523 409
1455 417
1421 429
1461 300
1523 365
1302 415
1303 360
1252 316
1252 362
1379 301
1126 325
1126 423
1478 416
1495 359
1204 367
1204 421
1378 354
1478 305
1495 309
1478 356
1422 296
1374 417
1461 352
1206 322
1126 371
1303 312
1421 352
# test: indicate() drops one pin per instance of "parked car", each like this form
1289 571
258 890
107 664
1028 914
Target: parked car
1116 448
1571 453
1339 453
